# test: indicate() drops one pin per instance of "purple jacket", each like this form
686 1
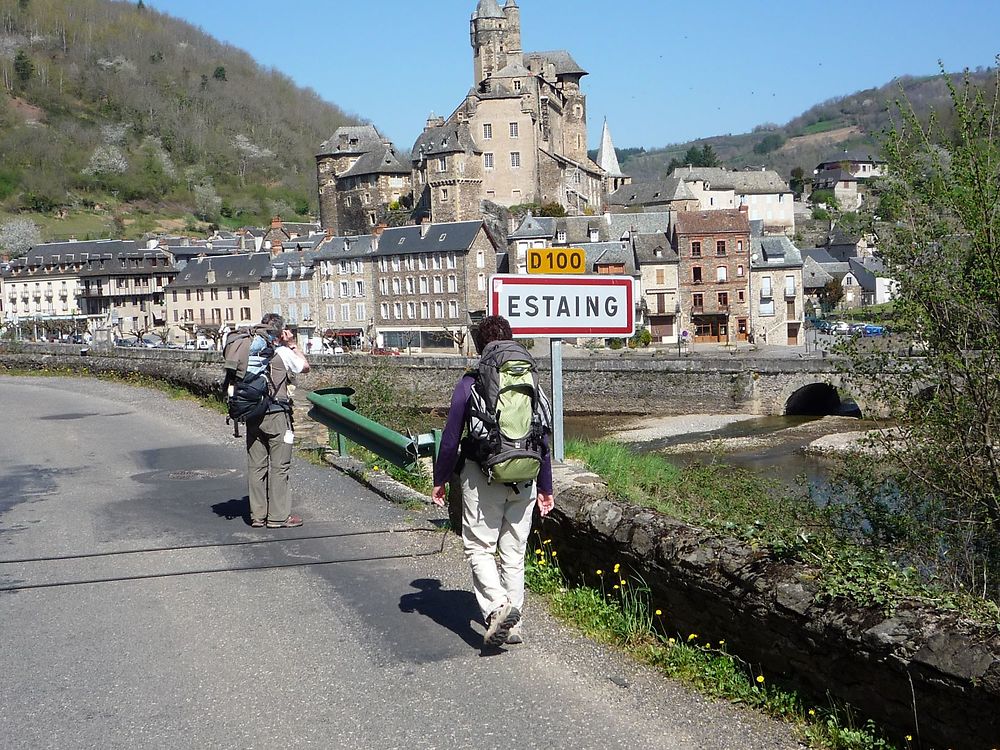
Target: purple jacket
458 418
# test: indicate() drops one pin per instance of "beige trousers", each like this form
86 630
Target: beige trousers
495 518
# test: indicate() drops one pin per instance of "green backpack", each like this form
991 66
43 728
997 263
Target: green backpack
508 415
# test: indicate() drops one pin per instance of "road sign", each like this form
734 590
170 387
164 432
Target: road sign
557 260
559 306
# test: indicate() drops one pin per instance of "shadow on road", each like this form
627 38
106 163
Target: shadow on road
454 610
233 509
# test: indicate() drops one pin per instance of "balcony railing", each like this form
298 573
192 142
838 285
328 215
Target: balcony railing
766 293
789 291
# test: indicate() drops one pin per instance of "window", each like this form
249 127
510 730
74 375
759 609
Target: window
245 293
439 309
436 262
411 287
359 288
395 262
442 164
229 293
790 309
331 313
345 288
767 308
695 249
244 313
698 301
513 130
696 275
383 286
411 310
444 195
425 310
200 294
384 310
765 286
723 300
487 130
422 262
453 309
360 313
721 275
173 294
397 310
452 284
450 261
345 313
372 218
480 259
720 247
396 287
741 296
739 270
739 246
561 235
515 159
213 294
293 313
423 285
517 84
481 282
789 286
306 311
488 161
437 285
303 288
660 276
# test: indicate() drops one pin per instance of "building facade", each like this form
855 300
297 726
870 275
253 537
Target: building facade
777 297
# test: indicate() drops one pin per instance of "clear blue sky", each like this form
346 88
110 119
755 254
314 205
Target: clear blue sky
661 72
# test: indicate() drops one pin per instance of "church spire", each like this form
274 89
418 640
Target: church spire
607 159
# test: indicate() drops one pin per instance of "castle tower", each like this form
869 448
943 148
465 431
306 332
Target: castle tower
513 41
607 160
488 34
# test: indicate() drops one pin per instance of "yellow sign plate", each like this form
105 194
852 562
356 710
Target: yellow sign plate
557 260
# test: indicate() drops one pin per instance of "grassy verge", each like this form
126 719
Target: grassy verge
620 614
743 505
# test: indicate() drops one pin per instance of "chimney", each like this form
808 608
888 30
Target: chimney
72 238
328 234
276 222
744 209
276 247
377 231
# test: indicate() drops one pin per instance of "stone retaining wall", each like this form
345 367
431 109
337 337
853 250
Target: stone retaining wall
917 660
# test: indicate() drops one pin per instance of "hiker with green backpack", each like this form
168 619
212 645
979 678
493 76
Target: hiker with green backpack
505 468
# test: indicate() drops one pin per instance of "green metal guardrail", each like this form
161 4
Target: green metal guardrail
332 407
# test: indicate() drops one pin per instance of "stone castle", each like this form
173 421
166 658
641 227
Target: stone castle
518 136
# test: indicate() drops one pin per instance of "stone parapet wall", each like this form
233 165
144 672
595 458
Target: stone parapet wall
915 661
636 384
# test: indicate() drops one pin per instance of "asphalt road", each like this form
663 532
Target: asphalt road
377 649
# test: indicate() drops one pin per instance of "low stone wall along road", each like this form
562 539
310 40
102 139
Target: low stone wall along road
381 651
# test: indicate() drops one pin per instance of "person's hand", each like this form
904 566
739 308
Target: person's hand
438 495
546 502
286 337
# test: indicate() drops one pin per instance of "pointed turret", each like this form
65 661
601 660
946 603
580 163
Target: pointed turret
607 159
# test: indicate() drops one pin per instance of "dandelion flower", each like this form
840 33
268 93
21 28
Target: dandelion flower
600 572
538 552
721 643
375 468
617 568
692 637
659 612
554 553
708 646
623 582
812 712
760 678
909 738
671 641
616 585
547 541
541 562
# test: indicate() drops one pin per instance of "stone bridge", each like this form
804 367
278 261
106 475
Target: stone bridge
599 384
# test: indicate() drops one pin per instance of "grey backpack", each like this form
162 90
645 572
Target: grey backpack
509 415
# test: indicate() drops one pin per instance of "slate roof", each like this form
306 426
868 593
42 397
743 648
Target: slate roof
487 9
453 237
864 275
366 138
609 252
853 155
607 158
774 252
646 246
300 263
649 222
561 59
449 138
813 275
337 248
651 193
534 227
229 270
709 222
835 175
71 252
840 237
819 254
747 182
577 229
381 160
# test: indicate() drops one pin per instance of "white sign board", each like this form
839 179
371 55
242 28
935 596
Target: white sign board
560 306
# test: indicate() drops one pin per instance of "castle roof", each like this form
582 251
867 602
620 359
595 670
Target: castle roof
487 9
534 227
650 193
449 138
352 139
561 59
382 160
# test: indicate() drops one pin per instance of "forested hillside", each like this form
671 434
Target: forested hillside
847 122
119 118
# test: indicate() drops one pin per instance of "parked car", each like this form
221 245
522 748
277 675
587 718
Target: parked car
856 329
841 327
125 342
871 330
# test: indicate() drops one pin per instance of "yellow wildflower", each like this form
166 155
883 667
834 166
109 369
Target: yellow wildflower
692 637
623 582
760 678
616 585
375 468
708 646
547 541
538 552
617 568
812 712
600 572
671 641
659 612
909 738
554 553
541 562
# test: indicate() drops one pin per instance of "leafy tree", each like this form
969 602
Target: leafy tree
824 197
552 208
140 5
933 489
696 157
18 236
24 69
219 74
797 183
770 142
832 294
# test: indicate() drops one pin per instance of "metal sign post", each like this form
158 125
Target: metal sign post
557 306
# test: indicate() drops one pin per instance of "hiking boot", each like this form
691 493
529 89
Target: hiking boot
257 523
500 621
514 636
289 523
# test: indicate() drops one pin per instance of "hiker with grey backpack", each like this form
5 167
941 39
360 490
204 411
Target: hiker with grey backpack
505 468
260 365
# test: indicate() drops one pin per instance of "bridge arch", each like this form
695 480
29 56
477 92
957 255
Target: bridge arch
811 396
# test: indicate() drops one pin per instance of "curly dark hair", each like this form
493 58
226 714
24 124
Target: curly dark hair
491 328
